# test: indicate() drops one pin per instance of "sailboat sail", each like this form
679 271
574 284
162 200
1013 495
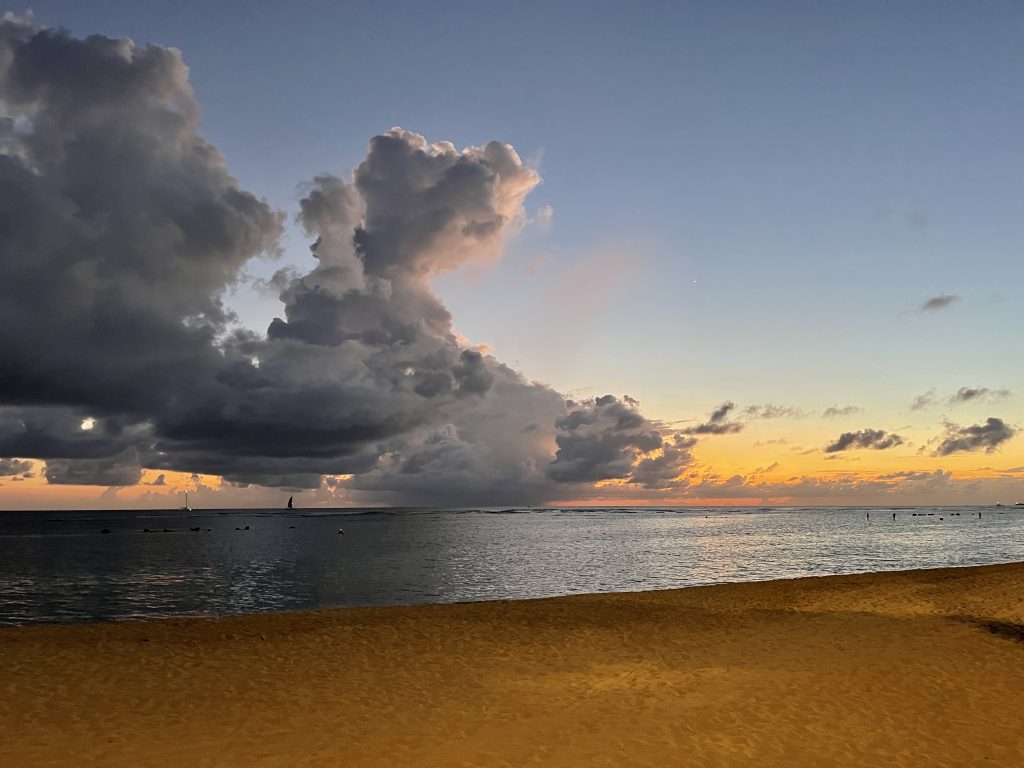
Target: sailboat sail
290 500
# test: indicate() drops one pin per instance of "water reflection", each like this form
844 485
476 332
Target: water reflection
65 571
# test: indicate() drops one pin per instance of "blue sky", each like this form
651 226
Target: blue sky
750 201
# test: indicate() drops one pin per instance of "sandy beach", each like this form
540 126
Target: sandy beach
910 668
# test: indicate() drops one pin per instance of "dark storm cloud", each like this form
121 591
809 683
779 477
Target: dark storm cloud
935 303
115 470
977 437
866 438
717 423
121 227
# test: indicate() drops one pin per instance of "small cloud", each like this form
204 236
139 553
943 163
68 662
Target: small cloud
876 439
716 423
771 411
923 401
935 303
980 394
835 411
977 437
542 221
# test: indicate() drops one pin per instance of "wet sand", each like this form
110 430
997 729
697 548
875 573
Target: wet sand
917 668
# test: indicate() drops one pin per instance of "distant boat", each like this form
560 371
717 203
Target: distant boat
186 508
1019 504
290 500
999 504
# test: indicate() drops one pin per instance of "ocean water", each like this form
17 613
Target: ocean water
59 567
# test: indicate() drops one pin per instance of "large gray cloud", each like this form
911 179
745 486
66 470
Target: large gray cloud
121 229
976 437
877 439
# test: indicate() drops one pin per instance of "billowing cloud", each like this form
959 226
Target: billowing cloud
717 423
602 439
866 438
123 230
976 437
936 303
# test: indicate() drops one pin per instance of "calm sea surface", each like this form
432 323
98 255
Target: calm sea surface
60 567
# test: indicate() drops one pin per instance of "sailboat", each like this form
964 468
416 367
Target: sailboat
186 508
290 500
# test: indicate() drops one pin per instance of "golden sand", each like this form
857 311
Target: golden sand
920 668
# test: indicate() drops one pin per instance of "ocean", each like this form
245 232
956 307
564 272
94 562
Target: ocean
59 567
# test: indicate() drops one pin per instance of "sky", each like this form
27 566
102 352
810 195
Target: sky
592 253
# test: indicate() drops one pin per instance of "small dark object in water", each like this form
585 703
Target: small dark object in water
194 529
247 527
105 530
291 526
146 530
942 518
237 528
341 531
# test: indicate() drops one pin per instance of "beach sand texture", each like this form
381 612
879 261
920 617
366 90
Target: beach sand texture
918 668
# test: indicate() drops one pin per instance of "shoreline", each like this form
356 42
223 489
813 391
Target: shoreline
487 601
880 668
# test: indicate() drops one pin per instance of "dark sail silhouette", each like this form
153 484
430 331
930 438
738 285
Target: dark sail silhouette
290 499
